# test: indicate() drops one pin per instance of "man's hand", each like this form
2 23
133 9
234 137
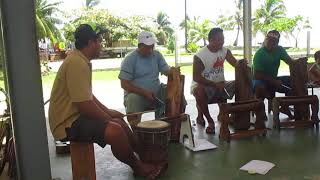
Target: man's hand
220 86
174 70
149 95
115 114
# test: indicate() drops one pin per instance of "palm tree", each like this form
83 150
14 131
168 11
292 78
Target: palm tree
92 3
46 21
199 30
238 16
164 28
266 14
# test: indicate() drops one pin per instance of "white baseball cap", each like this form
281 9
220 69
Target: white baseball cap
146 38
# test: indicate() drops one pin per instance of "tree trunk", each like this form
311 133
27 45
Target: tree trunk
236 41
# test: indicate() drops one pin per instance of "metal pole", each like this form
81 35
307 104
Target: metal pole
185 26
176 50
308 43
25 89
247 30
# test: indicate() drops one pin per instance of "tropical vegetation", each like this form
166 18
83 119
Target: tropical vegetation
46 20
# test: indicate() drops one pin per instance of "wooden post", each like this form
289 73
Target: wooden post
83 161
243 92
299 79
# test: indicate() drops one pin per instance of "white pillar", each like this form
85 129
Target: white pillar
247 30
308 43
176 50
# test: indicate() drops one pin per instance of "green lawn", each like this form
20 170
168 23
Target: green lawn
106 75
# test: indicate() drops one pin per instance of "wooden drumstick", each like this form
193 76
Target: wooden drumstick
226 92
138 113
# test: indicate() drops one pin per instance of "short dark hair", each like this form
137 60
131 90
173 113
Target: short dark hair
316 55
84 33
274 32
213 32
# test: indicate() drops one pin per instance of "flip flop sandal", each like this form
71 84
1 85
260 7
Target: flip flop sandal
210 130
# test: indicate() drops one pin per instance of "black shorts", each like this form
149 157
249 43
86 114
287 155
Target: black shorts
86 129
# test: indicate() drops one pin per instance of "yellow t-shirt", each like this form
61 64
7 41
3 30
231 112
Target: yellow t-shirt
72 84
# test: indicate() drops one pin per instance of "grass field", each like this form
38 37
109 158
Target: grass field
106 75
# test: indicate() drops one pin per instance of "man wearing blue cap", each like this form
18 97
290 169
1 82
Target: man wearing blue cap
75 114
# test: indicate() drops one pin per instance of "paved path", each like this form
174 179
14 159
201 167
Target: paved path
115 63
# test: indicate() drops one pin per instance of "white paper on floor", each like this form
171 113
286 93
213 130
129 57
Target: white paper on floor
257 166
200 145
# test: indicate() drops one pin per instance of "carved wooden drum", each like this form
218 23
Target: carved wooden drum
154 137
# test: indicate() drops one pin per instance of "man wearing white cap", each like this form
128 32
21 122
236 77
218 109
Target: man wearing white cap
139 77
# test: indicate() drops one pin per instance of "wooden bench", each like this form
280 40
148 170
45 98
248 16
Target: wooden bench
83 161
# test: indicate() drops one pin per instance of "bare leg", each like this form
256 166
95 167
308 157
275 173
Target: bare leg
116 136
133 139
261 93
200 119
202 103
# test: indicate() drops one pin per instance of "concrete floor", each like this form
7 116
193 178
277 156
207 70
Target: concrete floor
295 152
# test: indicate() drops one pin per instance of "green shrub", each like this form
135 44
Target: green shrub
193 47
170 45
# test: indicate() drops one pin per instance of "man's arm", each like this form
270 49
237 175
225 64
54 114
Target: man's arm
198 67
314 71
231 59
288 60
91 109
126 85
110 112
103 107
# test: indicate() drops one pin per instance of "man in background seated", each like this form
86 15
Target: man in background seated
208 76
139 75
266 64
315 68
75 114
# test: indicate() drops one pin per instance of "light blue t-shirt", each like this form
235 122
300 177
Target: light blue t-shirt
143 72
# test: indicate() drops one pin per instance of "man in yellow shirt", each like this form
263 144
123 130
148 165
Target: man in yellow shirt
75 114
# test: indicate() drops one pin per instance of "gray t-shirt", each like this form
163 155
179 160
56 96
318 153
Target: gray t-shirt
143 72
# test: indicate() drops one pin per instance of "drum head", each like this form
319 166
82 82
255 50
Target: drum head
155 124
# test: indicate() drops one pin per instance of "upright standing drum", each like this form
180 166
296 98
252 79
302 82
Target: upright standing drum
154 137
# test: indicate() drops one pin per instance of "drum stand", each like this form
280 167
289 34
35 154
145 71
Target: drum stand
301 114
193 144
241 119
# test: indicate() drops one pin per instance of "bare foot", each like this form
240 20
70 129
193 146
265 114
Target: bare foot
147 170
